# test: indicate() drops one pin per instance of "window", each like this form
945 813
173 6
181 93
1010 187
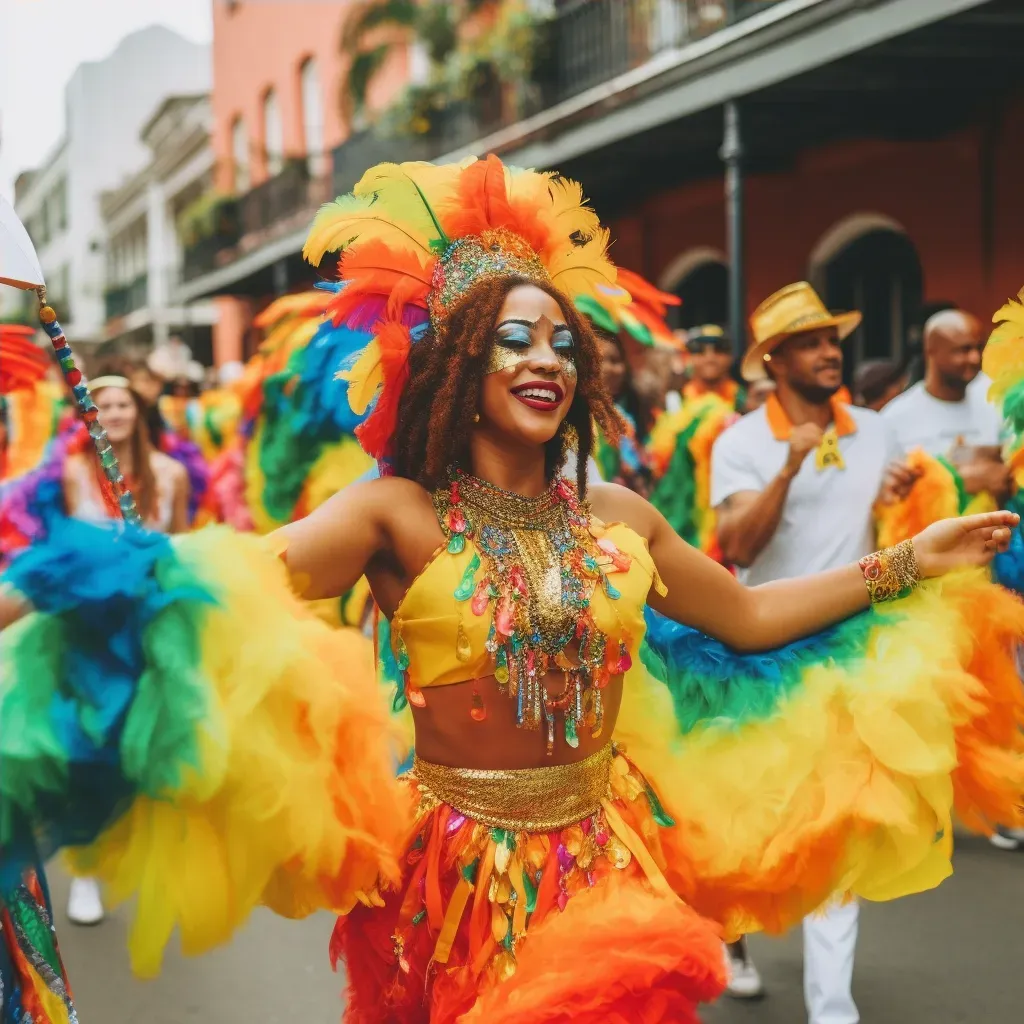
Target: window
312 116
60 204
240 155
44 222
273 133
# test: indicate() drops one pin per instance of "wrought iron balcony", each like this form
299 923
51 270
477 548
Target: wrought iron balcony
592 41
209 251
276 199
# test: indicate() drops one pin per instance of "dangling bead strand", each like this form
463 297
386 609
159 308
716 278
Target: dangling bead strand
88 411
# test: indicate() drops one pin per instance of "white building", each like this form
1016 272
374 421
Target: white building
141 225
106 105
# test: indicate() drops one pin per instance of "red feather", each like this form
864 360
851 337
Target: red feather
644 293
381 282
376 431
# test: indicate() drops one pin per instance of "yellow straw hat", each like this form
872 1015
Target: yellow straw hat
795 309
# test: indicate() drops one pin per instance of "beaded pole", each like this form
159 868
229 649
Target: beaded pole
87 408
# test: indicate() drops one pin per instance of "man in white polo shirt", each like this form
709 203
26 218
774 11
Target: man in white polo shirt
793 485
948 414
944 414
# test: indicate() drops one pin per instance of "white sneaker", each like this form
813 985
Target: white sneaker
1007 838
84 903
744 978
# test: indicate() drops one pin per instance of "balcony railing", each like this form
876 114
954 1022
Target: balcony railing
218 236
126 298
592 41
276 199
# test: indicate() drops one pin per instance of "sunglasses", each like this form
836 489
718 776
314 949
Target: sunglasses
698 345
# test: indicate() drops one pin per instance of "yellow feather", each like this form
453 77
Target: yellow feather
364 378
413 190
1004 354
340 223
579 269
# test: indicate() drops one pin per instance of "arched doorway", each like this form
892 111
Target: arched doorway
869 264
700 278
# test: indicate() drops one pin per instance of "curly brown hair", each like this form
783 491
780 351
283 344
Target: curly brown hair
440 400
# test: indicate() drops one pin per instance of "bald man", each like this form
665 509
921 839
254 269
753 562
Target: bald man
942 416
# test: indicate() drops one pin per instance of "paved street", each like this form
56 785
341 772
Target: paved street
949 957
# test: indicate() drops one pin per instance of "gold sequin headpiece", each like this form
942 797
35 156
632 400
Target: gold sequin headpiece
470 260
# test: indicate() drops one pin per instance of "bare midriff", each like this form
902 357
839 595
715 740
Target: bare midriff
448 734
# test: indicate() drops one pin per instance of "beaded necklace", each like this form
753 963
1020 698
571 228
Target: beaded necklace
536 565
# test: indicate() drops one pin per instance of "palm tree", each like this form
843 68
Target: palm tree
375 29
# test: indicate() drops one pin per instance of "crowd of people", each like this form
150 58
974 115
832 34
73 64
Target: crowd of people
451 504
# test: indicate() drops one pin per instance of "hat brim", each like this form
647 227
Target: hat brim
752 367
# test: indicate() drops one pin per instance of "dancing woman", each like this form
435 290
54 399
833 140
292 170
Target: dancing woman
553 849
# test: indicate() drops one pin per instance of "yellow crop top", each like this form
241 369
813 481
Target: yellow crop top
436 628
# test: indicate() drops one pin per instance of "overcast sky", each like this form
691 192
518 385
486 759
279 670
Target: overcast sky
41 44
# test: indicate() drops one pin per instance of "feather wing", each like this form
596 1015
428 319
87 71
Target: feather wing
411 193
1004 354
303 304
581 269
364 378
341 223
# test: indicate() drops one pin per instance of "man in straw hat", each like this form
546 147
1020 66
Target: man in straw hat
793 485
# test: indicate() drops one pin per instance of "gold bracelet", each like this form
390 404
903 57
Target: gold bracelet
891 572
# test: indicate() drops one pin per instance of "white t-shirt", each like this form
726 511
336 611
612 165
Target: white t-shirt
826 519
918 420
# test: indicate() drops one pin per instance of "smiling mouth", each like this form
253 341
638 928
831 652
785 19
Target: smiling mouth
541 395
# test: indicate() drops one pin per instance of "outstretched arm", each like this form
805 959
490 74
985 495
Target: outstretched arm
326 552
706 596
329 550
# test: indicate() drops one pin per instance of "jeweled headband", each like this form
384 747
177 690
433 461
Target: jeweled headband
470 260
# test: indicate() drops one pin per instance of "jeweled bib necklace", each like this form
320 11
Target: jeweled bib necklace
536 567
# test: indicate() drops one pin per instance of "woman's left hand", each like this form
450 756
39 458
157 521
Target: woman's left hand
963 543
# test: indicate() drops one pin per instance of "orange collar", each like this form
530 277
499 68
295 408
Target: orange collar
781 425
727 390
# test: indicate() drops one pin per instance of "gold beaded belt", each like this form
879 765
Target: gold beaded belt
520 799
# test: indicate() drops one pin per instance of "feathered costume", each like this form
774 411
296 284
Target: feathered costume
679 451
33 985
174 711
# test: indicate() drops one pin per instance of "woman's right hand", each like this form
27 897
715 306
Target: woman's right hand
963 543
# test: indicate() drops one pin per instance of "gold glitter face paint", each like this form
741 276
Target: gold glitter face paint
516 342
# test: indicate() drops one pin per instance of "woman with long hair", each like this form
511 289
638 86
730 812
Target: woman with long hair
574 832
161 490
159 483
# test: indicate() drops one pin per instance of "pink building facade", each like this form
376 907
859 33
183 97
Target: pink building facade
277 83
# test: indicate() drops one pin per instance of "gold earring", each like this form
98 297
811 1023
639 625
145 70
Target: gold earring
476 417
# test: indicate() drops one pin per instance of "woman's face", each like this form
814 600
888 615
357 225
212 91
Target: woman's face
530 378
613 367
117 413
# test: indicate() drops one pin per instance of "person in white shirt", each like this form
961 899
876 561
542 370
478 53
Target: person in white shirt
947 413
793 485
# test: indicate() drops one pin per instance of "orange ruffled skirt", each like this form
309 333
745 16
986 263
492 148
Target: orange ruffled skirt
531 895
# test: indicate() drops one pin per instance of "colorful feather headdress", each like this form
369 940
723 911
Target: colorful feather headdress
635 307
415 237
